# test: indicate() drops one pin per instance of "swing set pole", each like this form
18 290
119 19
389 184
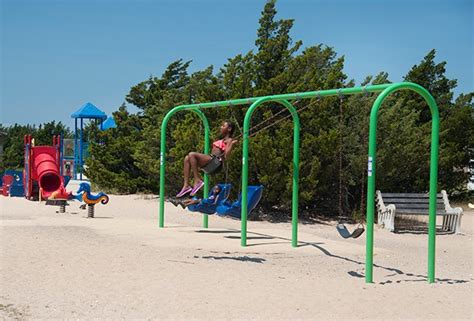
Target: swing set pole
164 124
371 170
245 167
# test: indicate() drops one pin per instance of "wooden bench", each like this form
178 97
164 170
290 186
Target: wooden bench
391 205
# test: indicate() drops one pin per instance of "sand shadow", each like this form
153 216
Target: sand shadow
317 245
217 231
396 272
245 258
173 226
250 237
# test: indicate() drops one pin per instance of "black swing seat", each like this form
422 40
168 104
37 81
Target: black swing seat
344 232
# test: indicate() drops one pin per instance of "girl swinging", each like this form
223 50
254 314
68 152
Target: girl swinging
211 164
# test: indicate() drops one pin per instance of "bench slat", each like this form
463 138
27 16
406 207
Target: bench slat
409 195
420 206
418 212
388 200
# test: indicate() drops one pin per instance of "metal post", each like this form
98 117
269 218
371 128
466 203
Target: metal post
81 150
161 220
245 152
75 148
296 162
61 155
433 176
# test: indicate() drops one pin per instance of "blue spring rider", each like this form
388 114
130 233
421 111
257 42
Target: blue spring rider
223 207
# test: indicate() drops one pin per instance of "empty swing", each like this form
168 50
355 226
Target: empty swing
340 227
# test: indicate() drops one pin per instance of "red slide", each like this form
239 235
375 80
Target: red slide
42 170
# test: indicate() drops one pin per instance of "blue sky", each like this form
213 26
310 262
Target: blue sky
57 55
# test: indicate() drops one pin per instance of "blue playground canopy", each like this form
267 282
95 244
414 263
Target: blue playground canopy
89 111
109 123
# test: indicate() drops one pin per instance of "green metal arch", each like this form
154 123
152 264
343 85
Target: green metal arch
433 174
384 90
245 153
164 125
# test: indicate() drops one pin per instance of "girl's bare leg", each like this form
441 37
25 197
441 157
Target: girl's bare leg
191 202
186 171
198 160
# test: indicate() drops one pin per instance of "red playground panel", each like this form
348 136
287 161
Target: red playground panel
7 181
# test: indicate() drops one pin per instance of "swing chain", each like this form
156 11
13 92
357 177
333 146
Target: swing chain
341 100
278 120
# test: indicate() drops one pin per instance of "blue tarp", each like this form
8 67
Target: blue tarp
89 110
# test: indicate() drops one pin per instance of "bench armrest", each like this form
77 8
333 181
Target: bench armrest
447 206
379 202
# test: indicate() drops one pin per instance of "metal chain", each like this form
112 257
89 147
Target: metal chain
277 121
340 157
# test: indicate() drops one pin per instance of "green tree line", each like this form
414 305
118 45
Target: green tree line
11 138
127 158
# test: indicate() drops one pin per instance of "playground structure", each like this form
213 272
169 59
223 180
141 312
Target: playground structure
67 157
42 177
48 169
71 150
384 90
42 174
86 111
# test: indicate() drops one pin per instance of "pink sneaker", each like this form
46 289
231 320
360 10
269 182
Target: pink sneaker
184 191
196 188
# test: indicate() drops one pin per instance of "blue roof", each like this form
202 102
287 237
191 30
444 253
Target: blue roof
109 123
88 110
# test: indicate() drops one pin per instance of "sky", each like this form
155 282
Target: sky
56 55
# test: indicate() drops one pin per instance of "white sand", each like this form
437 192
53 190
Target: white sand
121 266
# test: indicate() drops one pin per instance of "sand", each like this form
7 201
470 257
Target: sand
121 266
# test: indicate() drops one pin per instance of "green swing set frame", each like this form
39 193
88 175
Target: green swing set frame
384 91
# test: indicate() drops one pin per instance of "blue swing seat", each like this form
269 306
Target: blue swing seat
254 194
207 206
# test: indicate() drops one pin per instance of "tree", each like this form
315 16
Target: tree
111 164
128 159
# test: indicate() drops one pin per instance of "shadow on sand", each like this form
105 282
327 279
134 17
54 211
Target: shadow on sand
318 246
